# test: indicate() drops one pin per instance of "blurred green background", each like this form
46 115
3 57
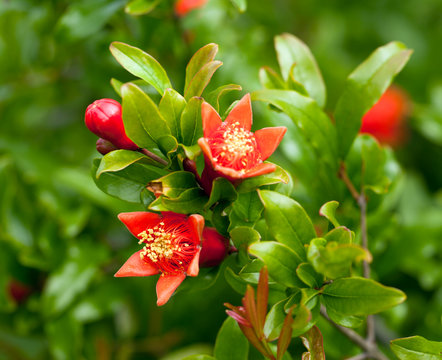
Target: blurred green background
60 238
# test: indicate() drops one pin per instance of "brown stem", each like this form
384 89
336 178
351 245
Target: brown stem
344 177
370 347
153 156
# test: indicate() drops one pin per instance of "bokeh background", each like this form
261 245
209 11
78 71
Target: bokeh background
60 240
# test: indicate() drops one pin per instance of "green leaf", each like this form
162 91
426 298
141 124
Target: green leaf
203 56
416 348
350 321
64 334
334 260
142 65
274 320
190 201
191 123
328 210
141 7
201 79
316 140
214 96
118 160
128 183
199 357
174 184
241 5
360 296
309 276
243 236
171 107
280 260
235 281
290 50
230 342
142 120
222 190
276 177
287 221
293 84
270 79
247 207
364 87
370 165
340 235
116 85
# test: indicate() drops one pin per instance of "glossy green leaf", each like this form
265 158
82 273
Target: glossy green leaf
334 260
190 201
328 210
230 342
203 56
142 65
247 207
235 281
116 85
293 84
274 320
287 221
171 106
141 7
350 321
128 183
241 5
118 160
270 79
191 123
340 235
309 276
222 190
142 120
174 184
276 177
243 236
281 261
302 320
290 50
201 79
360 296
214 96
416 348
364 87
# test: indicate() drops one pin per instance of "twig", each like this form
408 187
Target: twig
344 177
153 156
370 347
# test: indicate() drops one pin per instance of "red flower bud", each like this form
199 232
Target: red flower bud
103 118
386 119
214 248
104 146
182 7
18 291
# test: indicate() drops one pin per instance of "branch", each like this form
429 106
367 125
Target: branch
153 156
370 347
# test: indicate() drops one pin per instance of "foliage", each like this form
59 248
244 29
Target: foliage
61 242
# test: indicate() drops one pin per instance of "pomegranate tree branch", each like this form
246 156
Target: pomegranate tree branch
153 156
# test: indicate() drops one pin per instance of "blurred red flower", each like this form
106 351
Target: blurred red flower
172 245
230 149
386 119
182 7
103 118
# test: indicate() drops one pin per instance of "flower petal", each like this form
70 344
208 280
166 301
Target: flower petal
196 223
242 113
211 119
166 285
260 169
135 266
268 140
193 268
137 222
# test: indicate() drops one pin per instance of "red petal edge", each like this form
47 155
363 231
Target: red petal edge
137 222
268 140
242 113
166 286
211 119
135 266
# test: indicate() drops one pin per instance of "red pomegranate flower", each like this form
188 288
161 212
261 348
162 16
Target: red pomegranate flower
103 118
182 7
230 149
172 245
214 248
386 119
